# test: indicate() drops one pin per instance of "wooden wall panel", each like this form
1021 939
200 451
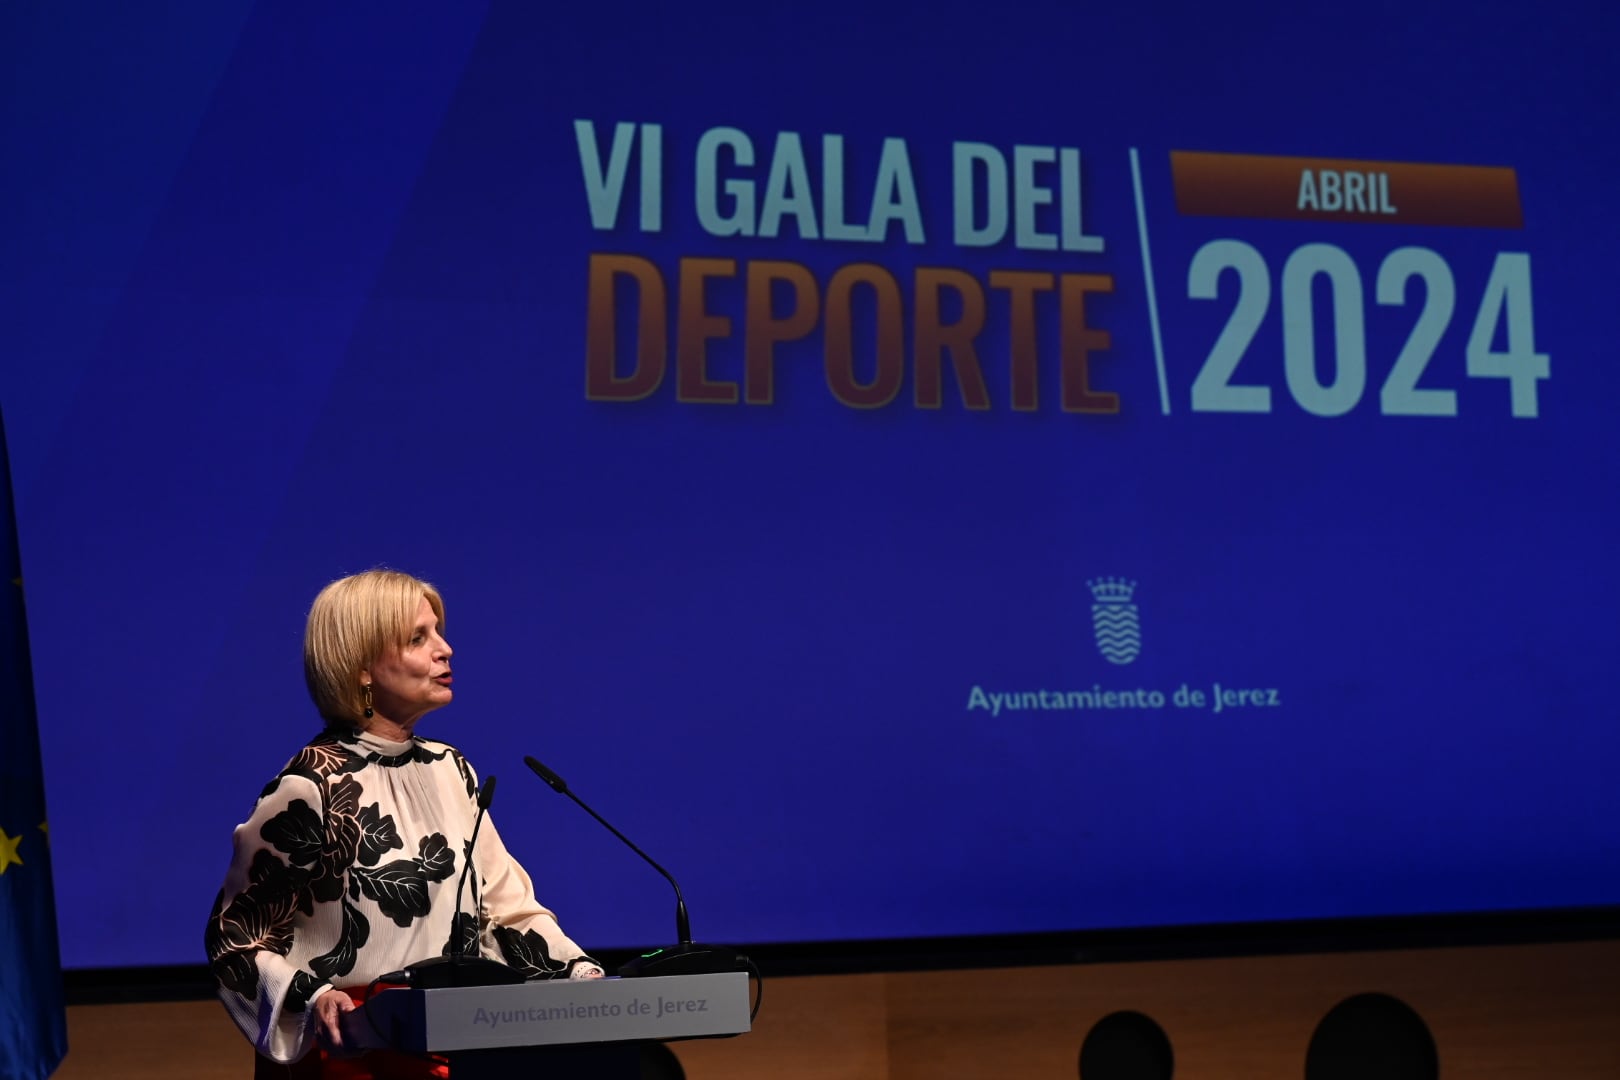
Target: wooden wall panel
1541 1011
175 1040
833 1027
1545 1011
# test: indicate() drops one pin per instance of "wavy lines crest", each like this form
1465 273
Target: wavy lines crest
1115 619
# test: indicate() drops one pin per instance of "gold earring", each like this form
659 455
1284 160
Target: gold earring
366 691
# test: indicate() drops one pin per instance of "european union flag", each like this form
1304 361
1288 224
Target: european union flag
33 1025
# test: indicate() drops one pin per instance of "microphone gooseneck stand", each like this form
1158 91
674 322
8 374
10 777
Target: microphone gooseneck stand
684 958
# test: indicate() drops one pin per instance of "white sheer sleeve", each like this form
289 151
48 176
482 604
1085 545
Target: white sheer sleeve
520 930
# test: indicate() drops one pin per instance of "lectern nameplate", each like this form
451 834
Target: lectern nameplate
553 1013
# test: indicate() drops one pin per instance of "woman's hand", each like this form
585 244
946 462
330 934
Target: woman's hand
329 1010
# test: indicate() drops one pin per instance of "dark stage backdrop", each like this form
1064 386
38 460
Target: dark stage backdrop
947 471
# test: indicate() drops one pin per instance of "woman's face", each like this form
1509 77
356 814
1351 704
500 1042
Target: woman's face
416 679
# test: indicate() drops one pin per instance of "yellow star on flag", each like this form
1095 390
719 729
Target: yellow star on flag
8 850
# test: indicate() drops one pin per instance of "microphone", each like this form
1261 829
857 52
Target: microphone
458 969
685 958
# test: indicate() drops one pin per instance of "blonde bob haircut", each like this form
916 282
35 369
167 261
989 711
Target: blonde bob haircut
352 623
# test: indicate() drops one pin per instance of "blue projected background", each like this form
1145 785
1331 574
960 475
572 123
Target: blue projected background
1079 468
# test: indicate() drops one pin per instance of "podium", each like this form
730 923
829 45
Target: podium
551 1028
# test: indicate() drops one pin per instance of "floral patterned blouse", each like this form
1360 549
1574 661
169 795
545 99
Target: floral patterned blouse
348 868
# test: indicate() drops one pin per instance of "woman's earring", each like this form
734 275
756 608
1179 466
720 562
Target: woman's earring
366 699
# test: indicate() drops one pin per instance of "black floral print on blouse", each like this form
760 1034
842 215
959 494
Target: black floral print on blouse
321 864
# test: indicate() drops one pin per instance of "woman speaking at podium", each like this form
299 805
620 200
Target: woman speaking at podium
348 867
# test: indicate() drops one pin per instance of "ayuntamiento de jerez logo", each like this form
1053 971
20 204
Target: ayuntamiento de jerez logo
1115 619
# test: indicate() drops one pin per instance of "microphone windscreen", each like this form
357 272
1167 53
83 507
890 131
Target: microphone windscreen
556 782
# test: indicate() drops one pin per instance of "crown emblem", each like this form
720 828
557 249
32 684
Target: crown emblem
1112 590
